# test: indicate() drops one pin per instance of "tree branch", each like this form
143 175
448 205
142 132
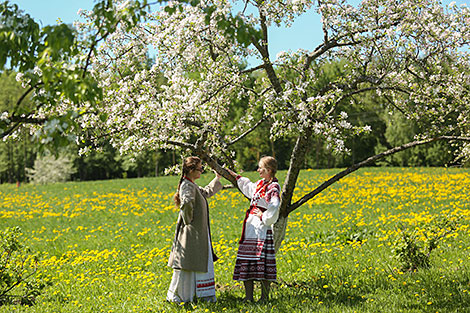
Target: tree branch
355 92
215 166
259 67
18 120
88 59
181 144
96 40
324 47
25 94
264 51
28 120
209 98
368 161
247 132
10 130
335 42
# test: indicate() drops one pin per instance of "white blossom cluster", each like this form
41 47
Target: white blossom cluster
186 91
413 53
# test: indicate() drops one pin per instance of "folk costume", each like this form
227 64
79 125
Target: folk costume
255 258
192 257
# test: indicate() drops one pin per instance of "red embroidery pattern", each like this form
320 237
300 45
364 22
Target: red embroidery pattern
273 192
259 193
261 268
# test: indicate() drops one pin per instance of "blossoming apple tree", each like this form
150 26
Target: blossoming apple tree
411 54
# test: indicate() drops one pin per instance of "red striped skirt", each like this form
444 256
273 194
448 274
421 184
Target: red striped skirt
261 268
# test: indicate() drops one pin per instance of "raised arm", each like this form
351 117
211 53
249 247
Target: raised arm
246 186
214 186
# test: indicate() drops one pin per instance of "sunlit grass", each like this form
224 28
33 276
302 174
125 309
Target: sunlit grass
104 245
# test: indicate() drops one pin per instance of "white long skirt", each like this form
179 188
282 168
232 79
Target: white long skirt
187 284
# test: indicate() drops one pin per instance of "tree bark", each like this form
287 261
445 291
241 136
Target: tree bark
296 161
216 166
279 230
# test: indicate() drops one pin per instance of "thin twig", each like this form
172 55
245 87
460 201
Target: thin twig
247 132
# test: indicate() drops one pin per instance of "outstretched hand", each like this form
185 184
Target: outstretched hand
217 174
232 172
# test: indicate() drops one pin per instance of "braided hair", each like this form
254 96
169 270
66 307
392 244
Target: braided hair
189 164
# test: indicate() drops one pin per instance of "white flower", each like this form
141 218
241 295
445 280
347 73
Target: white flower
19 77
4 116
37 71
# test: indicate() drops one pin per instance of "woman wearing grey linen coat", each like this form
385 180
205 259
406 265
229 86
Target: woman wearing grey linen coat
192 257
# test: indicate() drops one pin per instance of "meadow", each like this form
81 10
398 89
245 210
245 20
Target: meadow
104 245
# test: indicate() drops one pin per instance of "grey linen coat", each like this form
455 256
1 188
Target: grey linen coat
190 247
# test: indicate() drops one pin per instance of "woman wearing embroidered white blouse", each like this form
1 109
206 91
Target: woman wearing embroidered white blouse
256 257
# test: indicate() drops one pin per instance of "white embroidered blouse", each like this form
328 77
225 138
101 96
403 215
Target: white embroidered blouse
263 195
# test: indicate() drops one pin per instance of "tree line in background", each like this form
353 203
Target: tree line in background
22 154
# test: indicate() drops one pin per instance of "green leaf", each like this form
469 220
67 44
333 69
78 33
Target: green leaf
103 117
170 10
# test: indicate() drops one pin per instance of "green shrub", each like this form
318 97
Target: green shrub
412 248
18 265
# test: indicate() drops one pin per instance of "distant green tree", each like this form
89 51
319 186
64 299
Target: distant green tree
19 152
400 130
97 164
145 164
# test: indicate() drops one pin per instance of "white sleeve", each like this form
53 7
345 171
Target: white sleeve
270 216
246 186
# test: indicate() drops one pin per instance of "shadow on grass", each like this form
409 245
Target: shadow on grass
444 293
296 297
314 294
436 293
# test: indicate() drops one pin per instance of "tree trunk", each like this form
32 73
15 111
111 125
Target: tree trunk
279 231
156 164
10 163
296 162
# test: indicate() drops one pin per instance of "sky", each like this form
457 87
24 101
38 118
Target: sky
305 33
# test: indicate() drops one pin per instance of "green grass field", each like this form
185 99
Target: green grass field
104 245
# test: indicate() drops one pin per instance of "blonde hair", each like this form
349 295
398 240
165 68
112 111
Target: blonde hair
269 163
189 164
